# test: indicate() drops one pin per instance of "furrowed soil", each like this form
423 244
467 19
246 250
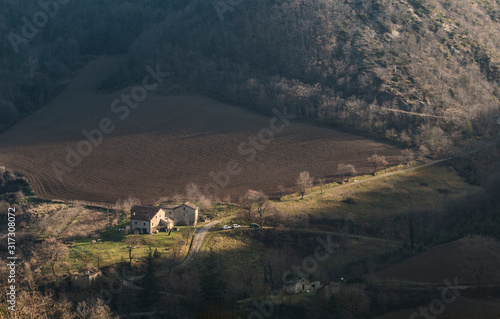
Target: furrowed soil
167 142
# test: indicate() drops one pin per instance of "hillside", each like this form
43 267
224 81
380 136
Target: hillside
421 72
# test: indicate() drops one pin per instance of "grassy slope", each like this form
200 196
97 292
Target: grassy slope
113 250
422 188
244 251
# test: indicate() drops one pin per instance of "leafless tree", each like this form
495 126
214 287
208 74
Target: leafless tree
346 169
255 201
127 204
96 310
132 243
193 192
321 182
407 156
377 161
304 181
31 303
281 190
205 203
53 252
177 198
422 153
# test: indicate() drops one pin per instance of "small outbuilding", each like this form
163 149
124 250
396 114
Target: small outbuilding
85 278
298 285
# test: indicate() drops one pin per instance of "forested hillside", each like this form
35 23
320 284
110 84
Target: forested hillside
421 72
44 42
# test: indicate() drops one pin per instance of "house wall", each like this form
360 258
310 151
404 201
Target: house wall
136 223
185 215
156 219
300 285
182 216
170 214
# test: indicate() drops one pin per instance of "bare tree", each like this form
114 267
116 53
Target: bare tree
281 190
53 252
304 181
193 192
422 153
407 156
127 204
255 201
205 203
346 169
177 198
95 310
132 243
377 161
321 182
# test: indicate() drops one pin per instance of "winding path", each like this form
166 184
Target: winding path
199 237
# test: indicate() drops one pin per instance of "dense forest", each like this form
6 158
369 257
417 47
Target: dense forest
420 72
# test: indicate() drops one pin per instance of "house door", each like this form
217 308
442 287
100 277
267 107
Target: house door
144 231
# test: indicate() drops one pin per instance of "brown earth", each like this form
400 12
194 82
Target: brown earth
434 266
167 142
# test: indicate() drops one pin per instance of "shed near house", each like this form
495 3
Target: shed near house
166 223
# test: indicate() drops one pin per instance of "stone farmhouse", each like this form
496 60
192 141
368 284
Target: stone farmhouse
149 220
298 285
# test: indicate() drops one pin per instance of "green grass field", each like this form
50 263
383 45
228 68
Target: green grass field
112 249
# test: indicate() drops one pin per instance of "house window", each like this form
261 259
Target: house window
136 223
144 224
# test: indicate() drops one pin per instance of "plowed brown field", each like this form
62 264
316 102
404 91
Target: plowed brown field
166 143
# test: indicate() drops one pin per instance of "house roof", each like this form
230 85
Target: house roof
169 206
143 212
188 204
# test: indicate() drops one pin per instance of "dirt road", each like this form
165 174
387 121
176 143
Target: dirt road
199 237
